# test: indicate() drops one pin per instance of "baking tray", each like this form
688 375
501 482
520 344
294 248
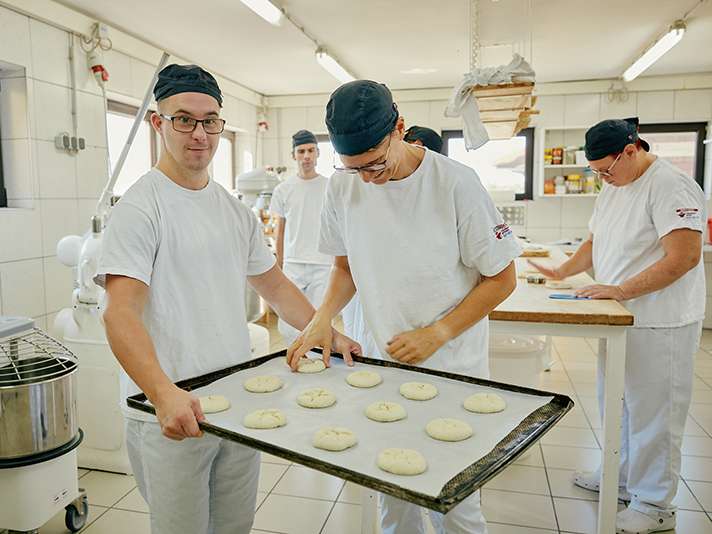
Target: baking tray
458 488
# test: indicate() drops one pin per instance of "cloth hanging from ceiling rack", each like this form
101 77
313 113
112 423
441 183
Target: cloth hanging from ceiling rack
463 102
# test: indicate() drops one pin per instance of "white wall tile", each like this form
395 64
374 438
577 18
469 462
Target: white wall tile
273 121
544 212
248 118
576 212
14 119
50 53
551 111
693 105
582 110
24 222
119 67
656 106
86 208
291 120
231 110
58 285
270 152
141 76
92 172
91 119
22 287
618 110
574 232
41 323
59 218
415 113
436 118
52 114
316 116
56 171
15 39
543 235
20 179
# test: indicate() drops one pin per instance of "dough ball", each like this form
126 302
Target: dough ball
385 412
262 419
334 438
316 398
364 379
263 384
402 461
485 403
418 391
446 429
214 404
310 365
559 284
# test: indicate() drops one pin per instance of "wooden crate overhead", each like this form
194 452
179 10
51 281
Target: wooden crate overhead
505 109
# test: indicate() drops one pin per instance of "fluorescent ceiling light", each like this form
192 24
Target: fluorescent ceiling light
265 9
419 70
333 67
656 51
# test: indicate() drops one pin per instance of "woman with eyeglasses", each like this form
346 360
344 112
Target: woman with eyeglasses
419 237
645 248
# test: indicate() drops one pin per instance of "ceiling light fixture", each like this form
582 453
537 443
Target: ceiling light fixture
419 70
333 67
656 51
265 9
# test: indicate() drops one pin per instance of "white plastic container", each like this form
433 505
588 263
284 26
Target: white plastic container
519 360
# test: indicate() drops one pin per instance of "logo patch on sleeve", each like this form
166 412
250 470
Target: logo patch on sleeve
501 231
688 213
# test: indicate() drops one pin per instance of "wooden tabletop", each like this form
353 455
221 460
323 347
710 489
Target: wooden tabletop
531 302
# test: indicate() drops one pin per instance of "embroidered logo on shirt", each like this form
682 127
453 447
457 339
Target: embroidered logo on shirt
688 213
501 231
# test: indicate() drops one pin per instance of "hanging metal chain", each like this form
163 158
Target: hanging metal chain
474 35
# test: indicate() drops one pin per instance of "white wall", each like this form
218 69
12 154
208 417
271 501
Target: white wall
55 193
582 104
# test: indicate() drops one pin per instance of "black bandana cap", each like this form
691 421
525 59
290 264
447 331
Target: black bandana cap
175 79
303 137
611 136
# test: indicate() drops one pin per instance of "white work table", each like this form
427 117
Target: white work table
529 310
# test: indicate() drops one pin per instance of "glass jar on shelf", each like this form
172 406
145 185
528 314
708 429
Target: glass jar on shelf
573 184
559 185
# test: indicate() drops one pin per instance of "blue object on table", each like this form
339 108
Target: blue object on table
567 296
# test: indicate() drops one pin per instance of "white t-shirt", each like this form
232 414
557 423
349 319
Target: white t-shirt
416 248
194 249
299 201
627 225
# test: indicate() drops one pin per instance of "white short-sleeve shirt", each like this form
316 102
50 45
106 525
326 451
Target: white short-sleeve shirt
416 248
300 201
627 225
194 249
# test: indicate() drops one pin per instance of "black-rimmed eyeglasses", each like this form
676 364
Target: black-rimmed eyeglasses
373 167
185 124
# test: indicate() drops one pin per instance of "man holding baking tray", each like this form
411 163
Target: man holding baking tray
419 237
177 255
645 248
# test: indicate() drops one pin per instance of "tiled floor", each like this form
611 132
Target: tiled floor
533 496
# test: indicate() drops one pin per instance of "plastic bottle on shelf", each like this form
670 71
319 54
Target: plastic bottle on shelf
559 185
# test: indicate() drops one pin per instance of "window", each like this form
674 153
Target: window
143 153
224 161
681 144
501 164
327 156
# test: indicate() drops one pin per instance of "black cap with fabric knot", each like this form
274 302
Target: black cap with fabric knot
611 136
303 137
429 138
359 115
175 79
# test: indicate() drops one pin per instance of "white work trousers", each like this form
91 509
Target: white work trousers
312 279
355 327
196 486
659 370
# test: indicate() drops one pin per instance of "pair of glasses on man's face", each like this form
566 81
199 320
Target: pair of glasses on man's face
185 124
373 167
606 173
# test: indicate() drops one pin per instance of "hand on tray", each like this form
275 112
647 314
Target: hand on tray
179 413
320 333
415 346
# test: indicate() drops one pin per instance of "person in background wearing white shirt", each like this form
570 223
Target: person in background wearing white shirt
296 204
177 255
420 239
645 248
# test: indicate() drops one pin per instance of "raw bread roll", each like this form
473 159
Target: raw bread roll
364 379
310 365
485 403
316 398
446 429
214 404
334 438
402 461
385 412
418 391
263 419
263 384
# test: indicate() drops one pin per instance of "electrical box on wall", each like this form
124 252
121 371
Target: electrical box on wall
64 141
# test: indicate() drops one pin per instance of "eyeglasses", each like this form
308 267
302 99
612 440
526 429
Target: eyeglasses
606 173
185 124
373 167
